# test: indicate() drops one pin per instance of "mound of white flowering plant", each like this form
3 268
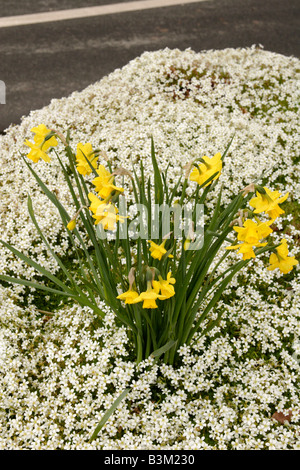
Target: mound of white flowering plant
165 248
160 318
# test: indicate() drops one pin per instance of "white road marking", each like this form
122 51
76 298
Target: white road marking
76 13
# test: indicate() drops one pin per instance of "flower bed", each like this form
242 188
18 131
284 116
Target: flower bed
60 372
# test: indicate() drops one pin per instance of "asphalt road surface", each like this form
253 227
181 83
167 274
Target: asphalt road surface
48 60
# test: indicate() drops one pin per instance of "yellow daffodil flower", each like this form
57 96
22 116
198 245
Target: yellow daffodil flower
209 167
39 147
104 213
281 260
165 287
268 203
41 133
246 249
149 297
128 296
157 251
252 232
85 150
36 152
104 183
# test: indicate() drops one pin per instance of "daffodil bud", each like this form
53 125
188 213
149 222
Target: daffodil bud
71 225
186 244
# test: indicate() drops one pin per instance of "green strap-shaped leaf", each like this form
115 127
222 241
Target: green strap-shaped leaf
48 193
220 288
60 263
108 414
38 267
35 285
158 184
158 352
227 148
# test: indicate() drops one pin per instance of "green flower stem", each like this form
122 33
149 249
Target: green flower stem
139 334
100 255
77 204
152 336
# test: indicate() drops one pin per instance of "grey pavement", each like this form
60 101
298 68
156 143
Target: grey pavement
23 7
51 60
